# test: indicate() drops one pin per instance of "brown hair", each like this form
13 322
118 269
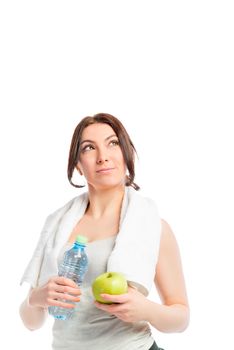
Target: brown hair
125 143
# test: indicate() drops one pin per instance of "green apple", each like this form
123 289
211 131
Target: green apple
109 283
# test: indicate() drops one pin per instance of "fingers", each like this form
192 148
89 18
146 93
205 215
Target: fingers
119 302
61 290
62 299
64 296
63 285
122 298
67 289
65 282
53 302
113 309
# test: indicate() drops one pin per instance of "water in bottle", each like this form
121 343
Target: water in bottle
74 266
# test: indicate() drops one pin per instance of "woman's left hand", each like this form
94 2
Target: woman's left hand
129 307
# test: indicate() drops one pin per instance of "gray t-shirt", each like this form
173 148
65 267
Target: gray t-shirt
91 328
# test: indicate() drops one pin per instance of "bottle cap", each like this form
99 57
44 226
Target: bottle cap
81 239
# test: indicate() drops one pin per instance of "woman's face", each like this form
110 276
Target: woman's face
101 159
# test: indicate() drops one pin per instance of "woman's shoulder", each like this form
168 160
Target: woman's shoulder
167 234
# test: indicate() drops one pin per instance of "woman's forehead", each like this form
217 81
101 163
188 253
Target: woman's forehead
97 130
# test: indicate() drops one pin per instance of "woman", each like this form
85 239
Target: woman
102 151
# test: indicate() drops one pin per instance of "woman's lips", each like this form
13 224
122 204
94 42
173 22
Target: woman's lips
105 170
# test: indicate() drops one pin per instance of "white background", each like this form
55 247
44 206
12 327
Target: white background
165 69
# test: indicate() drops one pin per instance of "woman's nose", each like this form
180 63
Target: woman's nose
102 157
102 160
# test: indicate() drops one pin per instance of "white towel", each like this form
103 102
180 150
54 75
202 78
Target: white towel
136 248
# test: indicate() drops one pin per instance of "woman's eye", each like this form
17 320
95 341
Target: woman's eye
87 147
90 147
115 142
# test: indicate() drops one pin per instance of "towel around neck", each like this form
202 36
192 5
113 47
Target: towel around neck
136 248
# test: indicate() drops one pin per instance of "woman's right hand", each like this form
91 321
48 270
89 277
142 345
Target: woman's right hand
54 292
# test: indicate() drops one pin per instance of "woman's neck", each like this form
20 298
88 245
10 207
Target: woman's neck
105 202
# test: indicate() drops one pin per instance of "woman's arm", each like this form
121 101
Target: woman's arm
173 315
34 309
33 317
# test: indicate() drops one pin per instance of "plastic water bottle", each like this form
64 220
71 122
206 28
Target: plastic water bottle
74 266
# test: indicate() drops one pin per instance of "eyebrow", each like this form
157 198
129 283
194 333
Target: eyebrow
106 139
